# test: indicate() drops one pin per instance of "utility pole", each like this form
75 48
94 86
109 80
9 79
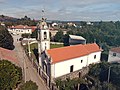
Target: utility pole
109 76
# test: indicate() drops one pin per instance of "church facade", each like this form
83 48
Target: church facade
69 59
61 61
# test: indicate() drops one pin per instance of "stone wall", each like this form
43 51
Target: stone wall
76 74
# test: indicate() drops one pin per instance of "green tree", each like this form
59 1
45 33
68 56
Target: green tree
6 40
29 85
100 72
10 75
26 35
59 36
34 34
69 84
66 40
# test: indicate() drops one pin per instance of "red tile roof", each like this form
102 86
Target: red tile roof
21 27
8 55
117 50
66 53
33 28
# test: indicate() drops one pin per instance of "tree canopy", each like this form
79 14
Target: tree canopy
6 40
29 85
100 72
59 36
34 34
10 75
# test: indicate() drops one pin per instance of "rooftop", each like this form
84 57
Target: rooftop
76 37
116 49
69 52
8 55
21 27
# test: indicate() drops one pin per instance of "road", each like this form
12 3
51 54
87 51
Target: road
25 64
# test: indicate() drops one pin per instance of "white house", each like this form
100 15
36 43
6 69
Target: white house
54 24
20 29
68 59
114 55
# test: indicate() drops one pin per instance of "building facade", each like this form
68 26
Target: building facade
20 29
61 61
114 55
74 40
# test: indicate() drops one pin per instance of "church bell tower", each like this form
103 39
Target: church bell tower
43 37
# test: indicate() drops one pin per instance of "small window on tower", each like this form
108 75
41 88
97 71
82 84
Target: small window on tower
45 35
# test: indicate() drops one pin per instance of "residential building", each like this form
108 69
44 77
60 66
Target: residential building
20 29
74 40
114 55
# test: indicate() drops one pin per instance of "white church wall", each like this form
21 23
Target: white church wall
94 57
42 34
63 67
45 45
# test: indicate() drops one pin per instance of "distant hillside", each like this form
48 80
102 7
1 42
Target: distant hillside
7 18
9 21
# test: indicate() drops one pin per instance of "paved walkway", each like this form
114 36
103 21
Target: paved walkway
29 72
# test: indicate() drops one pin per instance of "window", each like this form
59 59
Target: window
45 46
94 56
81 61
114 54
45 35
71 68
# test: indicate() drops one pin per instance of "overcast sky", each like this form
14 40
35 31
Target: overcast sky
88 10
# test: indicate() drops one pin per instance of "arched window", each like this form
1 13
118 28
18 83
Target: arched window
45 35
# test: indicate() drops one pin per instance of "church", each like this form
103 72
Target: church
58 62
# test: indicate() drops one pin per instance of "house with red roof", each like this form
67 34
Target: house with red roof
114 55
9 55
21 29
65 60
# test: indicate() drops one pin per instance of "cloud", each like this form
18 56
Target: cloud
63 9
2 1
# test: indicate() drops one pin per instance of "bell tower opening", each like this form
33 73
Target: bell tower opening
45 35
